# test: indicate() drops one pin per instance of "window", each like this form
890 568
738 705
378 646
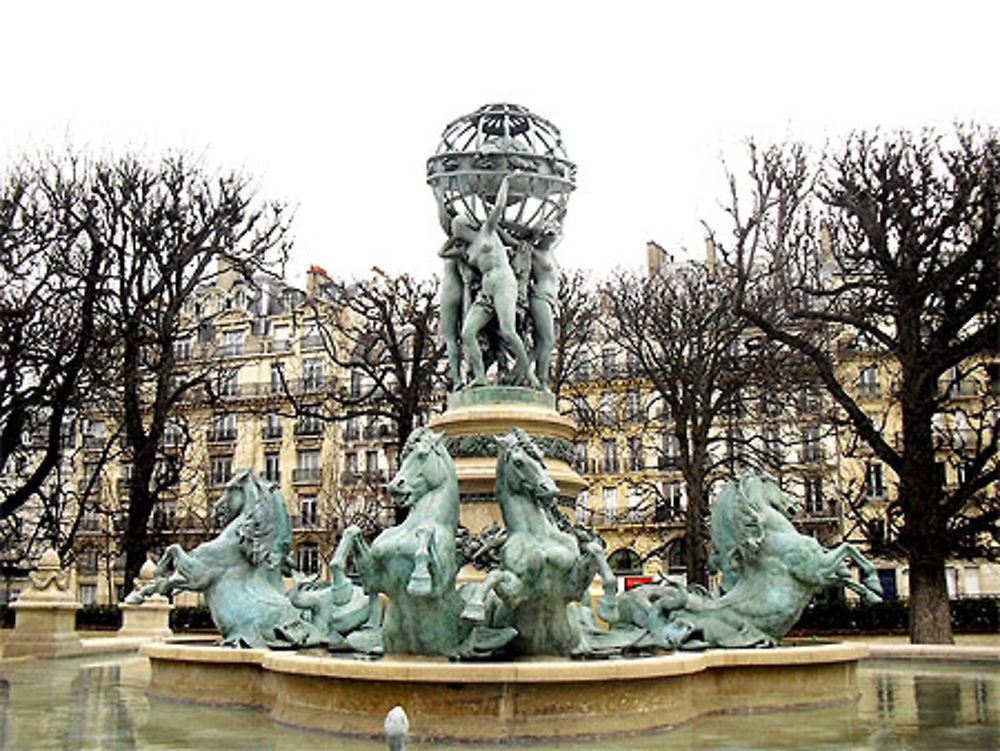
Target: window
277 378
634 502
813 492
810 401
609 456
633 407
609 498
87 561
580 457
183 349
625 561
583 507
371 463
308 467
223 428
670 451
88 594
90 521
272 425
352 431
312 374
173 435
581 410
355 383
868 381
222 470
351 462
94 437
609 409
164 515
233 343
635 462
874 485
228 383
309 510
272 466
671 502
307 557
310 423
609 368
811 450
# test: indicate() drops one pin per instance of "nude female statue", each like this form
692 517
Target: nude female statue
485 252
543 299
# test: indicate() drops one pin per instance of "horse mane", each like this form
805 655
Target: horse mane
265 529
741 516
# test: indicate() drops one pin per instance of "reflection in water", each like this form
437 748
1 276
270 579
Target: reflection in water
90 705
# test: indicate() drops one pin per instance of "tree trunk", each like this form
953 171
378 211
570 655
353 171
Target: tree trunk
696 537
930 615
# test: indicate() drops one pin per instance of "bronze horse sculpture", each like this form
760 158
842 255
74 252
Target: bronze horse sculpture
770 572
544 569
240 572
416 563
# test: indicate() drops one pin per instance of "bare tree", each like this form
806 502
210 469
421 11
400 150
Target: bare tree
577 322
167 228
382 332
53 281
682 335
890 245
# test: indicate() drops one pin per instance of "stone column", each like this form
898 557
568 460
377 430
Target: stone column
151 619
46 613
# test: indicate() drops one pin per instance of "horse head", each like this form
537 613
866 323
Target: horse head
238 496
521 468
426 466
762 490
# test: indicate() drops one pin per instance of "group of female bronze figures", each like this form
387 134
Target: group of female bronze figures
500 285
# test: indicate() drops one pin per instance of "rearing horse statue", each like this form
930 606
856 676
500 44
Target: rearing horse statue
770 573
416 563
543 569
240 572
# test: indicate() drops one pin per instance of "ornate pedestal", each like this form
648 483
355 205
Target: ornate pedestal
475 417
46 614
151 619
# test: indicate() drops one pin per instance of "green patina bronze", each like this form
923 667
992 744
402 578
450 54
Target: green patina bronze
240 572
769 570
494 395
488 445
415 563
544 570
501 181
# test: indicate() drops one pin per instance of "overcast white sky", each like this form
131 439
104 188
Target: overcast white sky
334 107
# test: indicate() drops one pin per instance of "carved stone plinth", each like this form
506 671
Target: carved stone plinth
45 622
150 619
475 417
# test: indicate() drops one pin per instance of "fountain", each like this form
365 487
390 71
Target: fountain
517 652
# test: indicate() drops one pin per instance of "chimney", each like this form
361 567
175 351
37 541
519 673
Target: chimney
316 277
656 258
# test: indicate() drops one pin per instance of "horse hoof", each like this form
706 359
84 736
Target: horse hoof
474 612
419 587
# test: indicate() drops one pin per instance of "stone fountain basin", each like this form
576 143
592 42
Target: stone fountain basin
535 698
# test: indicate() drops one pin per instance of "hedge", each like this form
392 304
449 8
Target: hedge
191 619
972 615
99 618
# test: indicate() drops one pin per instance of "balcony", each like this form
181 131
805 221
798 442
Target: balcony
609 465
272 433
307 476
314 341
93 442
223 435
309 430
306 521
